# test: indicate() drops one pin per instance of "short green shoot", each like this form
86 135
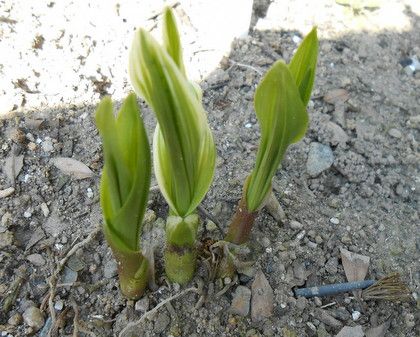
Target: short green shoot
183 147
124 190
280 104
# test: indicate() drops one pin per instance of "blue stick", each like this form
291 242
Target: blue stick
333 289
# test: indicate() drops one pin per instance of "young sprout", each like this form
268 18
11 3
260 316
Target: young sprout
280 104
125 184
183 147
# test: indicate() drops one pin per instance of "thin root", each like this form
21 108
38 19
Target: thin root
52 281
151 312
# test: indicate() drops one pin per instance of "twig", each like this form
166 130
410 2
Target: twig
52 281
135 324
75 318
246 66
210 216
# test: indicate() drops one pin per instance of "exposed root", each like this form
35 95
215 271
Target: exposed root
388 288
151 312
227 286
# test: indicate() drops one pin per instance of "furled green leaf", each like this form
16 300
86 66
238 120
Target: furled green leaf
283 120
125 178
184 151
303 65
171 40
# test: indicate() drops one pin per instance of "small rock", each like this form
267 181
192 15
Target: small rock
6 192
142 305
47 145
395 133
15 319
59 305
12 167
161 322
69 276
327 319
211 226
378 331
240 301
334 221
320 158
36 260
44 209
295 225
355 315
351 331
338 135
6 239
336 96
89 193
34 318
262 302
28 213
110 269
301 303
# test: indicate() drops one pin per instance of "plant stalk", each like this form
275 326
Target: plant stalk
241 224
180 252
133 271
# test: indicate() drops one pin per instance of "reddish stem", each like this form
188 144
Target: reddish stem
241 224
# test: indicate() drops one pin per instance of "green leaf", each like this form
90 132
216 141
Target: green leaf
184 151
125 178
171 40
283 120
303 65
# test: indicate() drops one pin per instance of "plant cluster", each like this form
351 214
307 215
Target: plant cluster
184 152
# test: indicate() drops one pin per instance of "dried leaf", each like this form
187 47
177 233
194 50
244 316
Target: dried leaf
355 265
12 167
72 167
336 96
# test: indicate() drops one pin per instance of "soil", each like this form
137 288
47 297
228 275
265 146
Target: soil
365 200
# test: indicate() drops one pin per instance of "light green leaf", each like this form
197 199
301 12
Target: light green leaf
283 120
171 40
184 151
125 178
303 65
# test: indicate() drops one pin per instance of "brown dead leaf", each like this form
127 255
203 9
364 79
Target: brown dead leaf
72 167
336 96
355 265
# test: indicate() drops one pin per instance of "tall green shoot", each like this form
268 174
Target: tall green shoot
124 189
280 104
183 147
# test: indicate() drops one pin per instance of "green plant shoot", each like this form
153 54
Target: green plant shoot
124 190
183 147
280 104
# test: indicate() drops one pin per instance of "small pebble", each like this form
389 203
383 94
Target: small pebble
395 133
142 305
240 301
34 318
47 145
28 213
295 225
36 259
44 209
15 319
89 193
334 221
58 305
355 315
